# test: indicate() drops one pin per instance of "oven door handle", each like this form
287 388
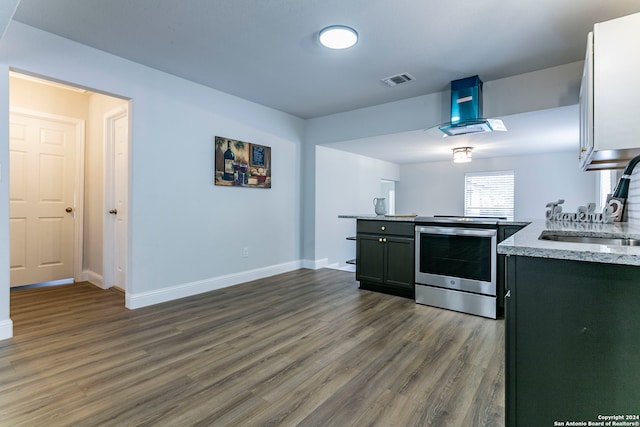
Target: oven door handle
451 231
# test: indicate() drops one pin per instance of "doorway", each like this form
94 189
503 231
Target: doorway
388 191
92 178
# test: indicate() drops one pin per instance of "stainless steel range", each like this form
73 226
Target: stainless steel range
456 261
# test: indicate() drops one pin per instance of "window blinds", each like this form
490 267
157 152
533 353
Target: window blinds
489 194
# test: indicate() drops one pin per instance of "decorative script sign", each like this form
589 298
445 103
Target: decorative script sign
584 213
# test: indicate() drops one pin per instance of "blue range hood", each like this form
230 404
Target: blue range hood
466 108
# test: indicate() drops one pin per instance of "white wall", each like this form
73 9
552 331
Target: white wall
6 326
346 183
438 188
543 89
186 233
7 8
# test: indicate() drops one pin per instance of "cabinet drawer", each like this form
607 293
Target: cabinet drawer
385 228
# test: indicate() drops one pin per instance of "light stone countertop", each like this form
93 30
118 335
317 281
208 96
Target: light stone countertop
526 243
417 219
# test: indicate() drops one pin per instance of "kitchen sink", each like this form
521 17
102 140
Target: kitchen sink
608 241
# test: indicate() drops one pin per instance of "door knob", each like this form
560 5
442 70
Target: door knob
69 209
113 211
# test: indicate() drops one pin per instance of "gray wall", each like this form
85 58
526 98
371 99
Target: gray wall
540 90
186 234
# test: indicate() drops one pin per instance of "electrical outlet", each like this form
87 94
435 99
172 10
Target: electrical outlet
245 252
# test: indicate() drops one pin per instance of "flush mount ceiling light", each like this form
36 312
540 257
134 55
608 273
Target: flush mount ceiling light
462 154
338 37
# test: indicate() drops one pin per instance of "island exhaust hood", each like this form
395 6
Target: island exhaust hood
466 109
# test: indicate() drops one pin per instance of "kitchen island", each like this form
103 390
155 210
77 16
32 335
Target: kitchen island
572 322
385 256
387 248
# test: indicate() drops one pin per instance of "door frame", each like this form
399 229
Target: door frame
78 181
108 232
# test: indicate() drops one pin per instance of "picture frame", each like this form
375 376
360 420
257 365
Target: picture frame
241 163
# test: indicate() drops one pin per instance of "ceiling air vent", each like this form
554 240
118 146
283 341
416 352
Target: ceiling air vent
397 79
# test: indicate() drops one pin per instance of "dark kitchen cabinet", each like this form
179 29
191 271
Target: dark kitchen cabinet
572 347
384 257
504 232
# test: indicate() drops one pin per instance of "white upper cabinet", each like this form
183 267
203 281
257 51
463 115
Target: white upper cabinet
610 95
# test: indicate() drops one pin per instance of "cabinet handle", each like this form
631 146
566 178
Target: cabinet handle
508 295
383 228
380 239
384 240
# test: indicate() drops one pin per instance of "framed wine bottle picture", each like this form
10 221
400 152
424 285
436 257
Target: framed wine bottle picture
241 164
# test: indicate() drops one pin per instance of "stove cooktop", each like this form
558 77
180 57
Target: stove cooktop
457 219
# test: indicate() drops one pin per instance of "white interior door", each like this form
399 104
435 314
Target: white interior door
42 201
121 181
116 197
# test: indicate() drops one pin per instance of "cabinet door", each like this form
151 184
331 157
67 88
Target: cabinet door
504 232
399 262
510 341
572 346
616 84
369 258
586 106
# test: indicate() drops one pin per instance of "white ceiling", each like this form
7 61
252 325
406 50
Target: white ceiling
266 51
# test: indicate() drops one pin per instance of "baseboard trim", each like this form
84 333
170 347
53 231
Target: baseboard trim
315 264
94 278
6 329
345 267
144 299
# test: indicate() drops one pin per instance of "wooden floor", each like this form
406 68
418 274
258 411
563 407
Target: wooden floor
303 348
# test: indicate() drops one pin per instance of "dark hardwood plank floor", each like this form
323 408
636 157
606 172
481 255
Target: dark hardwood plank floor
304 348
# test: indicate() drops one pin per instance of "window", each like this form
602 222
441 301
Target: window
489 194
606 184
